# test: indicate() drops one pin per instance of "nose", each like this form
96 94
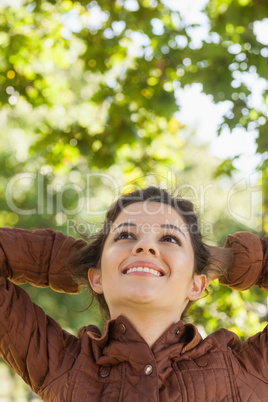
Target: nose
146 246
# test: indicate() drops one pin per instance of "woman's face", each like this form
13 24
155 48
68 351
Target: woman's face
148 262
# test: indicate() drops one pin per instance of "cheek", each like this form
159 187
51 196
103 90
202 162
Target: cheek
190 257
183 262
111 259
116 251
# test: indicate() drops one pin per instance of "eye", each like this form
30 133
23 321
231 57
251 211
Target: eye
171 239
124 236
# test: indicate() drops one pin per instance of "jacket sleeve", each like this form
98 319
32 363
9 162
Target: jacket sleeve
250 261
38 257
249 268
32 343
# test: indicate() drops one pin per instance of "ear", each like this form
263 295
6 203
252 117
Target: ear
198 287
94 277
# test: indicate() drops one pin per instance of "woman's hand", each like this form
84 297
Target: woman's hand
220 262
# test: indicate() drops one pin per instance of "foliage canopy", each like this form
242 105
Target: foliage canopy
105 70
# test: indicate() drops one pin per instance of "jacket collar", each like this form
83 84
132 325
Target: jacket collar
121 342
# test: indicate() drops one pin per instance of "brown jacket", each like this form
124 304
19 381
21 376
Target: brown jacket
120 366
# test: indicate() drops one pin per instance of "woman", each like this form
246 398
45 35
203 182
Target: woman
145 266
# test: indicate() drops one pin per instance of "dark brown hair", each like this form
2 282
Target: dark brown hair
90 255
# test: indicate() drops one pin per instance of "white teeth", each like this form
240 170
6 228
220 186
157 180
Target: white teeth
148 270
143 269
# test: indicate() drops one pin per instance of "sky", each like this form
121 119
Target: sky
202 115
199 112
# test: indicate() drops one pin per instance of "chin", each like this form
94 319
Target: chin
142 296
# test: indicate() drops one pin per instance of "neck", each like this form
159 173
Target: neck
150 326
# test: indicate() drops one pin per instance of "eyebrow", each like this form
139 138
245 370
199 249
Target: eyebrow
125 224
169 226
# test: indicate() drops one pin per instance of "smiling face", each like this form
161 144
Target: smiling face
148 262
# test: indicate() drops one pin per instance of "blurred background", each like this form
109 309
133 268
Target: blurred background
100 97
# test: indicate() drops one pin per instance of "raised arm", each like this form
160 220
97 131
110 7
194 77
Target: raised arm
38 257
247 267
33 344
242 263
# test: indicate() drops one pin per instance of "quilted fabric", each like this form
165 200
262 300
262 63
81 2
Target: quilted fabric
120 366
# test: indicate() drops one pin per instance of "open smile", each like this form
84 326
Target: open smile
144 269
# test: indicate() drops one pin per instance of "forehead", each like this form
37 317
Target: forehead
150 212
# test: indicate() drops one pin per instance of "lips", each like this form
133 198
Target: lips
143 268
